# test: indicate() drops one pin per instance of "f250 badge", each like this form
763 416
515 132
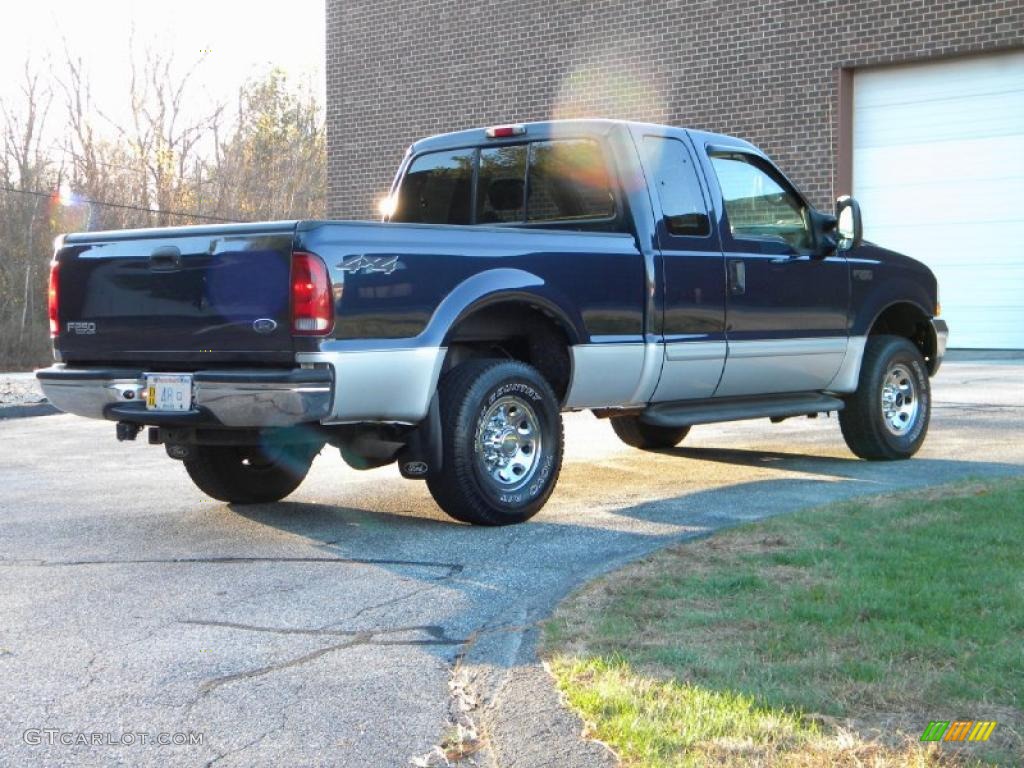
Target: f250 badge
369 265
80 328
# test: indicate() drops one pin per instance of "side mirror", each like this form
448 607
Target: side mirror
823 229
850 227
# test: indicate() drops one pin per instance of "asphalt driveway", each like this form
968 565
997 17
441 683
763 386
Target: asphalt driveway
354 624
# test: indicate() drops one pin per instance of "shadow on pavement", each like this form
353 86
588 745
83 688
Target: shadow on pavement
536 563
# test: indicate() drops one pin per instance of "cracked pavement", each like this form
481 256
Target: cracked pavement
354 624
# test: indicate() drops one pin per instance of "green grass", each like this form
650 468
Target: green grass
874 616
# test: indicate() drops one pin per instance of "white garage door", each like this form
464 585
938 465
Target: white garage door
938 168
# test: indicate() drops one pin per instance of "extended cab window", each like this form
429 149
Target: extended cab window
682 202
568 180
436 189
758 205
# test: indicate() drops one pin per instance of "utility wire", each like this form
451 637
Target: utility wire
4 188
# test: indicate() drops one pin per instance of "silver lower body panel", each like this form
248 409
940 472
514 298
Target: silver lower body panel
382 385
692 370
613 375
781 365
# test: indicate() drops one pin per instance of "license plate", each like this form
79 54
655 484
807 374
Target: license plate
168 392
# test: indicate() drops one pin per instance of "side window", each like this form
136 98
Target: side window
568 180
501 184
436 189
682 202
758 205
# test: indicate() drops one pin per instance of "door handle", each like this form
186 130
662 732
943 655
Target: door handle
737 277
165 257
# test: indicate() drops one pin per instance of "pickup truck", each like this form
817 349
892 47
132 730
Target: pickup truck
658 276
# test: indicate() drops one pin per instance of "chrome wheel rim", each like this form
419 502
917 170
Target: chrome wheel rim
900 403
508 443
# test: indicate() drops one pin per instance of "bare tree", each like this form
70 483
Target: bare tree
155 157
24 166
273 165
170 163
165 139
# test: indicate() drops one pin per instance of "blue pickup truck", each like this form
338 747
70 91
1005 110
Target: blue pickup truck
658 276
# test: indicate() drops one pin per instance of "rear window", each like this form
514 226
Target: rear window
436 189
544 182
501 184
568 180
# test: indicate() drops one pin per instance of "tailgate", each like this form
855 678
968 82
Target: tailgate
181 296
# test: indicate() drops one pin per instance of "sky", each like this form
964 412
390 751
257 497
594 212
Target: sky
230 41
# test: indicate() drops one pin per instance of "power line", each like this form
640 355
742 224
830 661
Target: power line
124 206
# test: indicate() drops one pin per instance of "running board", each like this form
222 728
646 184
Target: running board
683 413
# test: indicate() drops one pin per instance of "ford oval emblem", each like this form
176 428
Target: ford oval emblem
264 325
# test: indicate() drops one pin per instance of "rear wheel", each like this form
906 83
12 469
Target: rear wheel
648 437
502 442
887 417
249 474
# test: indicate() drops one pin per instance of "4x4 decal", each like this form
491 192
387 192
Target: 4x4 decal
369 265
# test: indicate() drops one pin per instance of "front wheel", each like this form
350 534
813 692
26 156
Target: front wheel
502 442
249 474
887 417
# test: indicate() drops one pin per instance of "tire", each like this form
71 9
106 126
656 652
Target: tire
249 474
647 437
502 442
887 418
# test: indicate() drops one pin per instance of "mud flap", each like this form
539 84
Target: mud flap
423 453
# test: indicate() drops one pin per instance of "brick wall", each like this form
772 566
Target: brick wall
766 71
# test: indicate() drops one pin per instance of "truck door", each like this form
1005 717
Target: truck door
786 305
692 273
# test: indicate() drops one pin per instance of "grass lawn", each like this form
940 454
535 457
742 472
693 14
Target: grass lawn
828 637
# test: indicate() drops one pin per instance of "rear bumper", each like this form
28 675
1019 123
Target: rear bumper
236 398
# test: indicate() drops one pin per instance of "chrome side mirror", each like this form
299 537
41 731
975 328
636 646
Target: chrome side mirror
850 227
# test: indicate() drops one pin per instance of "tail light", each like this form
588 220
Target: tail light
52 300
312 301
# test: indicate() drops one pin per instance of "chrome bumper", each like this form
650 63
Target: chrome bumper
941 331
244 398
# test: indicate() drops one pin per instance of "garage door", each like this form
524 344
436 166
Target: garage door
938 167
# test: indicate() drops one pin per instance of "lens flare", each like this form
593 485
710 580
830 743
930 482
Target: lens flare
607 83
386 206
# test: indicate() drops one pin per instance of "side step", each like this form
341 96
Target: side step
685 413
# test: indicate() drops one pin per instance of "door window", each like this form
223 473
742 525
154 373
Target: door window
759 206
682 202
